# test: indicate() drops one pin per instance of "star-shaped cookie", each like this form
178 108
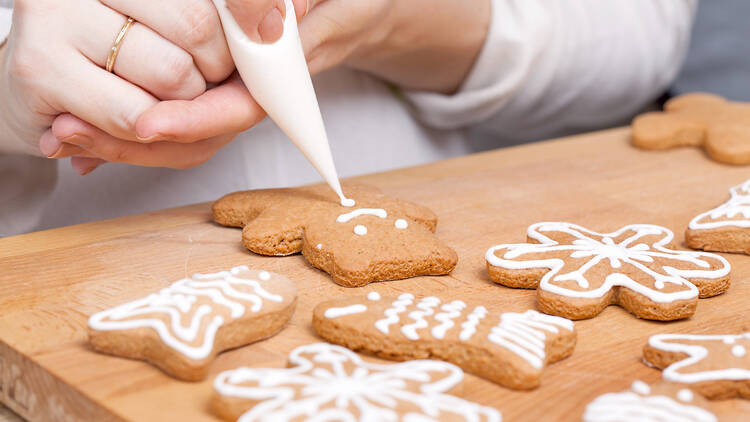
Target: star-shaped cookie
578 272
717 366
330 383
725 228
378 239
721 127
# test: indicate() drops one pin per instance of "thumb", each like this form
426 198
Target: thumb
261 20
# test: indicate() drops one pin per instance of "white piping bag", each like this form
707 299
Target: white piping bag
276 75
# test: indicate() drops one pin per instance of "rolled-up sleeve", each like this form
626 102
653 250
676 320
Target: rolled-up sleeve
548 66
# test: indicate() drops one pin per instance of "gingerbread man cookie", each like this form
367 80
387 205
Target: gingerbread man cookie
377 239
725 228
721 127
662 402
717 366
578 272
509 348
183 327
326 383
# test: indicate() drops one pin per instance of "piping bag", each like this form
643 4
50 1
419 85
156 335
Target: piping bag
277 76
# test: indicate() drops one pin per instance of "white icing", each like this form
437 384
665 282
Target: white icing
450 312
523 334
632 407
373 296
346 310
177 303
377 212
319 246
641 388
347 202
426 307
277 76
685 395
326 383
264 275
681 372
391 314
401 224
360 230
738 204
469 327
738 351
628 251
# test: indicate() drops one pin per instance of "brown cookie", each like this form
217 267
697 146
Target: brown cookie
510 349
330 383
578 272
183 327
717 366
378 239
721 127
725 228
663 402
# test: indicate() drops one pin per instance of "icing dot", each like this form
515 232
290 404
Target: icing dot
738 351
641 387
319 246
401 224
373 296
347 202
264 275
360 230
685 395
728 340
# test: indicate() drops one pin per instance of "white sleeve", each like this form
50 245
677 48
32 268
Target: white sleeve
550 66
6 13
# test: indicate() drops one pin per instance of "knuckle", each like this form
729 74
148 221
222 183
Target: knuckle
199 23
124 120
23 66
176 71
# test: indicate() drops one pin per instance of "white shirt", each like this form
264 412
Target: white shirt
548 67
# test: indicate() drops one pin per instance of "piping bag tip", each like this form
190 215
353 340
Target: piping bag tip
277 76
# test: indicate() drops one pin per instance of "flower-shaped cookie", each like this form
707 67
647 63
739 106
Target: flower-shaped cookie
326 383
379 238
725 228
717 366
721 127
578 272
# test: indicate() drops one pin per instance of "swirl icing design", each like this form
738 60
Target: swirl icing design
641 405
709 357
635 257
726 214
326 382
188 314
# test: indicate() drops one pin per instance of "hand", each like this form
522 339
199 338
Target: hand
53 65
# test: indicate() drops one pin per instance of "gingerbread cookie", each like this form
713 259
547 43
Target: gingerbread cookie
717 366
659 403
509 348
725 228
721 127
183 327
326 383
379 238
578 272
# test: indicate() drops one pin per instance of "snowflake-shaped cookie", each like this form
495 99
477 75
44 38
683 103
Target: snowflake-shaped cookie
717 366
379 238
326 383
725 228
579 272
721 127
183 327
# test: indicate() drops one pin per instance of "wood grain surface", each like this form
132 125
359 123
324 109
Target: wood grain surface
51 281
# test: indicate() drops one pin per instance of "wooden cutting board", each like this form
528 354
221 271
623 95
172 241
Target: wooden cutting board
51 281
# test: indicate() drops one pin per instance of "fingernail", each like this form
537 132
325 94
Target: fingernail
49 145
152 138
80 140
272 26
90 169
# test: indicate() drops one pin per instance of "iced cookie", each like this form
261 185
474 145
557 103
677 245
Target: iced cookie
377 239
330 383
717 366
662 402
725 228
510 348
183 327
578 272
721 127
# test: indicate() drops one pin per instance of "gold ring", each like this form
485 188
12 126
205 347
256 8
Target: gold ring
118 42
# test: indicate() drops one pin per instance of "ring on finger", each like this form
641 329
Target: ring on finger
118 42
